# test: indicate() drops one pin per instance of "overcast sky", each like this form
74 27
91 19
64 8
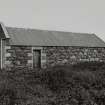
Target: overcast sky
66 15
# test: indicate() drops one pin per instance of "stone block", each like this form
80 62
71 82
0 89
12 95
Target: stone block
30 54
7 62
7 54
7 47
30 61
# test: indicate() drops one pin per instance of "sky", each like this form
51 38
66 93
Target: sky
86 16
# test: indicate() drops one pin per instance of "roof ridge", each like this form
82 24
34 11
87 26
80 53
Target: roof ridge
33 29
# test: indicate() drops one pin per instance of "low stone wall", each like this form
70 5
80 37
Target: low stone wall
18 56
71 55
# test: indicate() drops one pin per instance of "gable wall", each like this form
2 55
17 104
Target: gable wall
22 56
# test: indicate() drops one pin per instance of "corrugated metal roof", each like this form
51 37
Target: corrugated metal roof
35 37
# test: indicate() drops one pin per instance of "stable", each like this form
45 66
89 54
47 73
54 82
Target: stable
35 48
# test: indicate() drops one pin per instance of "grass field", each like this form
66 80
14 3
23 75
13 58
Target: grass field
79 84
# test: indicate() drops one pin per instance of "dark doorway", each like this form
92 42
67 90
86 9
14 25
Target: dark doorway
37 58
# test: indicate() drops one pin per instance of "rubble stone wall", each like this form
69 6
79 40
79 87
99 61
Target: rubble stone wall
22 56
18 56
71 55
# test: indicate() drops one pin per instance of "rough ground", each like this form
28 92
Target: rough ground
80 84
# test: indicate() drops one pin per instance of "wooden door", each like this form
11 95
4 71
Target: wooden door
36 58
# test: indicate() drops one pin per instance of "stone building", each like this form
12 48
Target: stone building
41 48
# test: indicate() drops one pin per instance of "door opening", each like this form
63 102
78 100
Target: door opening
36 58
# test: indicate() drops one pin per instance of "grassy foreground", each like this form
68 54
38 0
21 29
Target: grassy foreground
80 84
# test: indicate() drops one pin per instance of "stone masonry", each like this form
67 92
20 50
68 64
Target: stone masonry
71 55
22 56
18 56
